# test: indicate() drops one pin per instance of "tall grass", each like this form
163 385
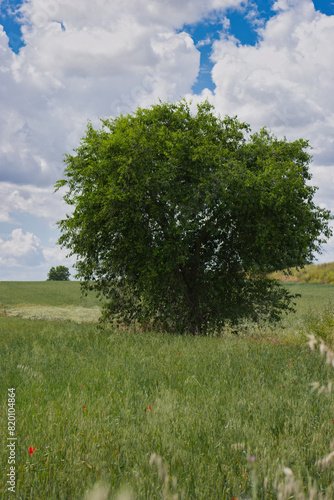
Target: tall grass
218 411
321 322
287 488
290 487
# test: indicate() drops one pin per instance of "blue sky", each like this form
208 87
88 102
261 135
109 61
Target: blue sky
10 22
65 62
242 25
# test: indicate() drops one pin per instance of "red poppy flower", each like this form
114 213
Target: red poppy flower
149 408
179 353
84 407
31 450
283 386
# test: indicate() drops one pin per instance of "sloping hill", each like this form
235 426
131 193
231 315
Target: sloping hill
49 300
315 273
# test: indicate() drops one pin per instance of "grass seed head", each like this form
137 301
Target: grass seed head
98 492
125 494
325 462
312 342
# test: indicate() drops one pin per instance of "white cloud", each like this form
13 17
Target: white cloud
324 176
205 41
23 257
83 60
21 250
111 57
56 256
286 80
36 201
83 13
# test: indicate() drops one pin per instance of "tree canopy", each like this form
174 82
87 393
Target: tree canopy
178 217
59 273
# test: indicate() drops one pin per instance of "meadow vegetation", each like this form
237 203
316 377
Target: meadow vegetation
51 300
163 416
314 273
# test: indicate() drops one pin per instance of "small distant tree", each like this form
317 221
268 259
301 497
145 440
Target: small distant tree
178 218
59 273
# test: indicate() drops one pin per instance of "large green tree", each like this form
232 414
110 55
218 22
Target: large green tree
178 217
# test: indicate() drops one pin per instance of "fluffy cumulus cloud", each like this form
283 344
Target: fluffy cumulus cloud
285 81
83 60
24 257
82 13
21 249
36 201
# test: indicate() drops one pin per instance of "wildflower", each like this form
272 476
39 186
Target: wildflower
84 407
31 450
149 408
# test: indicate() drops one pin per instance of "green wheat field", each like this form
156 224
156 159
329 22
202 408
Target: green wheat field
227 416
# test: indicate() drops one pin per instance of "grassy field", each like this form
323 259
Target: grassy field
52 300
226 414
